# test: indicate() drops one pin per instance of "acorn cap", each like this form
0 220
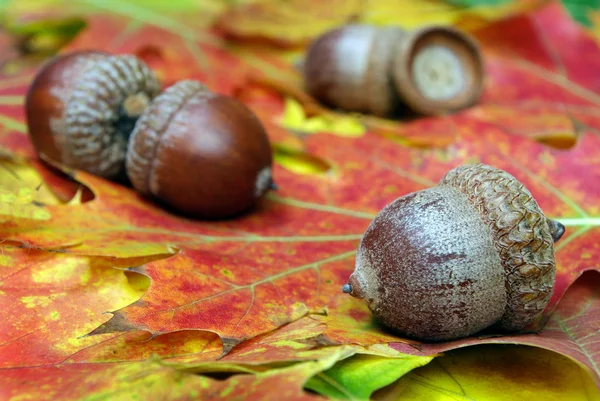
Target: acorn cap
437 70
104 105
523 238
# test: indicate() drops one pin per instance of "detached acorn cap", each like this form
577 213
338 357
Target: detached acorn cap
438 70
523 237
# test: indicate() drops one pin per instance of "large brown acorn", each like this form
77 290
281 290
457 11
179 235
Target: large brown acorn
471 253
201 153
82 106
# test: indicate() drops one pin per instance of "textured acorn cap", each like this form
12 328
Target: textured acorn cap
523 238
102 111
437 70
203 154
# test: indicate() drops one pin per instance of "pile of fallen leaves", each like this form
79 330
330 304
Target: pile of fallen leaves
104 295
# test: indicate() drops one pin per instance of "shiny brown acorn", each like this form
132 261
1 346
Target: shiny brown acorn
201 153
82 106
471 253
381 70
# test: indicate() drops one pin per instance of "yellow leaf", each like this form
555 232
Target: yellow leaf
412 14
348 126
23 197
409 14
295 23
495 373
20 205
293 115
17 176
299 162
22 192
294 118
287 23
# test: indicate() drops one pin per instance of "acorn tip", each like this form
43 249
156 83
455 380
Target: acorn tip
347 288
557 229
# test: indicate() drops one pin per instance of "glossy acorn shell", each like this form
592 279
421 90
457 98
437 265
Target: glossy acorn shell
203 154
426 273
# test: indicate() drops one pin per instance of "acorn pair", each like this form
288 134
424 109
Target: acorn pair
383 70
201 153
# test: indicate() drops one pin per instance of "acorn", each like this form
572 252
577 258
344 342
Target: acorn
382 70
82 106
350 68
201 153
474 252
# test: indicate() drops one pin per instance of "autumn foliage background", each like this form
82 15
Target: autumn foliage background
105 295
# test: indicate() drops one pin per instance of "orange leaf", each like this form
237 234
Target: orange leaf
286 261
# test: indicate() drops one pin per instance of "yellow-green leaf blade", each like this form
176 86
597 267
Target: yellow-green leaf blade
356 378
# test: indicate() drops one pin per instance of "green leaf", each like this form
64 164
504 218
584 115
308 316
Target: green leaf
45 36
579 10
357 377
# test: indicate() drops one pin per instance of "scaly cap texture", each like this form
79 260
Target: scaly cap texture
522 237
96 143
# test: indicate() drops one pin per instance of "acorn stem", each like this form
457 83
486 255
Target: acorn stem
557 229
347 288
134 105
131 109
